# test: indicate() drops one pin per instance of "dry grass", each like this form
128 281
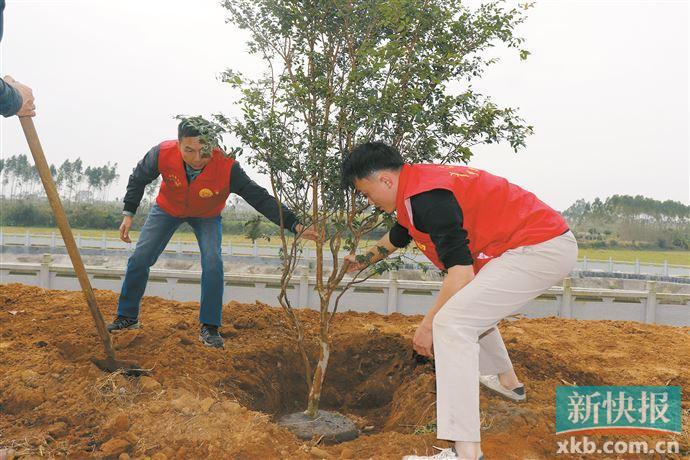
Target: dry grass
116 388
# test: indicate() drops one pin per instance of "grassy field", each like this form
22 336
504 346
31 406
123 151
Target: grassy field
656 257
673 257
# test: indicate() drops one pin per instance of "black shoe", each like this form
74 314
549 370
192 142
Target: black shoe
210 337
122 322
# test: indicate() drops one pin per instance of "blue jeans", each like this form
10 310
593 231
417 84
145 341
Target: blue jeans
155 234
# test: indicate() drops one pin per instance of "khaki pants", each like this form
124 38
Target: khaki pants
466 340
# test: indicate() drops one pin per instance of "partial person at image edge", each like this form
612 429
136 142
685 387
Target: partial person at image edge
15 97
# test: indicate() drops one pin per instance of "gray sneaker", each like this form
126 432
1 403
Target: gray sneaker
210 336
122 322
492 383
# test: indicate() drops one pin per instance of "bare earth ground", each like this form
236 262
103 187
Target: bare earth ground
205 403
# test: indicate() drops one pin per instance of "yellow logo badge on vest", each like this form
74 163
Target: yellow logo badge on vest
206 193
421 246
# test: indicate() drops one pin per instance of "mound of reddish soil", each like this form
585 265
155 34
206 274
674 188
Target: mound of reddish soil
204 403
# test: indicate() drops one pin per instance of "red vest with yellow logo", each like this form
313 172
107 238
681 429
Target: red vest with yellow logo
497 215
205 196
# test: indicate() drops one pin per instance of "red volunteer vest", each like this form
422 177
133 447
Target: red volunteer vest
205 196
497 215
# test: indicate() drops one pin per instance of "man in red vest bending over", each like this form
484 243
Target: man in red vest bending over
501 247
196 183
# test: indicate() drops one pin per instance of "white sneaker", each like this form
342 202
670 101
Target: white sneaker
492 383
445 454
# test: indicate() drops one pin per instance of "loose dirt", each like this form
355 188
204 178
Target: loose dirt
205 403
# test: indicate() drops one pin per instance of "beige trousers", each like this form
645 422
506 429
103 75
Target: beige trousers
466 340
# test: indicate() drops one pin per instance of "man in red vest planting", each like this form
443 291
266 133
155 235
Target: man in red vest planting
500 246
197 181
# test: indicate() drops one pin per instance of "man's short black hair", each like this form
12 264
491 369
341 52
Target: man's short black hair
187 129
368 158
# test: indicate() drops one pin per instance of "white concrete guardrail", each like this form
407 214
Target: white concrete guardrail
254 250
385 296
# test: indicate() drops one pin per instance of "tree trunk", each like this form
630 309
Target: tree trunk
324 355
319 375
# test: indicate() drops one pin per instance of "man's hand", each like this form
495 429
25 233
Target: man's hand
382 249
423 340
353 264
308 233
124 228
28 108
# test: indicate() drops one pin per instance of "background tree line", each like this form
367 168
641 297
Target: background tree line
75 182
617 221
631 221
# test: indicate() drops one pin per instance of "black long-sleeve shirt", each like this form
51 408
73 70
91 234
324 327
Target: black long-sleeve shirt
258 197
10 100
437 213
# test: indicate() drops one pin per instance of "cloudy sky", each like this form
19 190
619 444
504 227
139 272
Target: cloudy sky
606 88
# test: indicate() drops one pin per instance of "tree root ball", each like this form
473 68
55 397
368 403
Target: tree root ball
334 427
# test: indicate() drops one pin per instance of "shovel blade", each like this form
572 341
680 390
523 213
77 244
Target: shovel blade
114 365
